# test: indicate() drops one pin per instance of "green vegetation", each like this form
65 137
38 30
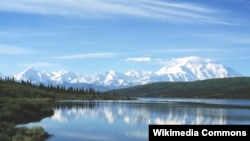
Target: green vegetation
14 112
227 88
9 132
23 102
9 88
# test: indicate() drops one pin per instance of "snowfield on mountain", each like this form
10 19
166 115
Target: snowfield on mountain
180 69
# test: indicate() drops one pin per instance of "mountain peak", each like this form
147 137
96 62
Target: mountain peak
137 73
28 69
111 72
190 59
178 69
132 72
194 68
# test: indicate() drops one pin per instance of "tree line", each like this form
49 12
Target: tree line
9 86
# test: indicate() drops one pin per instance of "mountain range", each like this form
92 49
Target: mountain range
180 69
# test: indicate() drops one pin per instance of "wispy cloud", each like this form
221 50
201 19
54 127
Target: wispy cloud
28 34
7 33
13 50
153 9
226 37
88 55
39 64
201 50
243 57
139 59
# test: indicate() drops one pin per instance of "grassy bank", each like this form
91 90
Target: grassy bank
23 102
14 112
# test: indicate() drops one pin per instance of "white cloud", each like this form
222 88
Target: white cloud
199 50
13 50
28 34
39 64
58 116
154 9
88 55
139 59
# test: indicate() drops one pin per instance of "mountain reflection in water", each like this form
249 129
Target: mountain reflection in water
143 113
129 120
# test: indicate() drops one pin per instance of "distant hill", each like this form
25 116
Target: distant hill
235 88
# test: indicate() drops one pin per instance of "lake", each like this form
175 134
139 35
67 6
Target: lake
108 120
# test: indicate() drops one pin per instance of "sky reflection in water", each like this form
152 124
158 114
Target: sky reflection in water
129 120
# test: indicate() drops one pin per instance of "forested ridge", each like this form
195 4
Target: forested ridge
235 88
9 88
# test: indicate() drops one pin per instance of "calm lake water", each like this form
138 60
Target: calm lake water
107 120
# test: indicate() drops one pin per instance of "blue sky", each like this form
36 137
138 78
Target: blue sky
94 36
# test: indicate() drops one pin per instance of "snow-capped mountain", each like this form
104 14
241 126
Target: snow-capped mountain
194 68
62 76
32 75
180 69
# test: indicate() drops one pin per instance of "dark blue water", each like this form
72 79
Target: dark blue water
107 120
